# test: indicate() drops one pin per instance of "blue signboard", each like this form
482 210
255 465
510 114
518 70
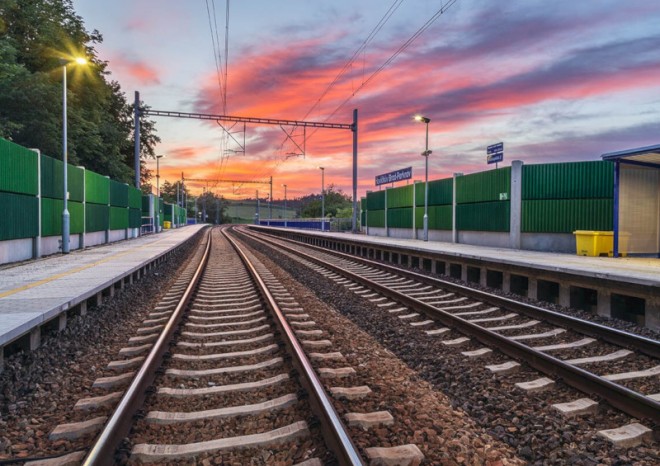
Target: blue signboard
391 177
495 153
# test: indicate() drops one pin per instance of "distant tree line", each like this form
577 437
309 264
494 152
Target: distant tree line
35 35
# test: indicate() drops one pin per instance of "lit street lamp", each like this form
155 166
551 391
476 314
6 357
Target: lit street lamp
285 223
66 218
322 198
158 157
426 154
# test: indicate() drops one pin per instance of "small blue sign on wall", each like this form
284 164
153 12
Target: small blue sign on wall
495 153
391 177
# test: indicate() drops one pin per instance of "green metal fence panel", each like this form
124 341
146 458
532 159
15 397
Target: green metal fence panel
363 217
18 169
118 194
97 188
376 200
51 217
439 217
145 204
118 218
376 218
134 198
574 180
400 197
483 216
488 186
134 218
566 215
440 192
97 217
52 180
399 218
20 216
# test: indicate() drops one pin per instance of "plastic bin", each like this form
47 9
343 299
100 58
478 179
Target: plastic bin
167 225
599 243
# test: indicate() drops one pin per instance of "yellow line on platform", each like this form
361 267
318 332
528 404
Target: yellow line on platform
4 294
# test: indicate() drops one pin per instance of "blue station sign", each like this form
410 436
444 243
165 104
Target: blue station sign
392 177
495 153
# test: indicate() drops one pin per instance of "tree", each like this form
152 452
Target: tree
34 37
214 206
168 191
336 202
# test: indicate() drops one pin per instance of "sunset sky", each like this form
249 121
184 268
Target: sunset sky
555 81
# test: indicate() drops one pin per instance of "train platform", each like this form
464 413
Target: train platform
38 292
624 287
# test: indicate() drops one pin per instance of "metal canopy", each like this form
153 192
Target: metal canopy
649 156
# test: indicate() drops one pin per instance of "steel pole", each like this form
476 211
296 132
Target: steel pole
322 198
426 187
65 212
354 128
285 222
136 150
157 193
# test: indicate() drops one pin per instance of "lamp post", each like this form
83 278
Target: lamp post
158 157
66 218
285 222
426 154
322 198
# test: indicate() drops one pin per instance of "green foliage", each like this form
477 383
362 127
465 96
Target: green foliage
34 37
336 204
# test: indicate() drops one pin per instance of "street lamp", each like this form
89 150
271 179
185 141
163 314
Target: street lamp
426 154
158 157
322 198
66 218
285 223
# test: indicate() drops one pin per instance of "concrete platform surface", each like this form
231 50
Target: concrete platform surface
643 271
37 291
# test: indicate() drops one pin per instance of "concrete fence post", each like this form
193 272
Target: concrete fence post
515 220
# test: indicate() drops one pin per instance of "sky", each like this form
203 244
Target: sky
554 81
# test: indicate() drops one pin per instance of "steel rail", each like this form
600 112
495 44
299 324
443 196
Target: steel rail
116 429
611 335
628 401
333 429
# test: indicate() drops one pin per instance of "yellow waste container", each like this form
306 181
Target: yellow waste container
599 243
167 225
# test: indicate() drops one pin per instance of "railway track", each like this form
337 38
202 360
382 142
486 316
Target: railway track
227 368
604 363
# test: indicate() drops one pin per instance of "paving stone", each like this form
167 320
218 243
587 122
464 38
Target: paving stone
307 324
505 368
214 344
350 393
490 310
148 453
628 436
531 323
308 333
388 304
412 315
169 417
224 334
509 316
398 309
77 430
577 407
295 316
404 455
367 420
535 386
